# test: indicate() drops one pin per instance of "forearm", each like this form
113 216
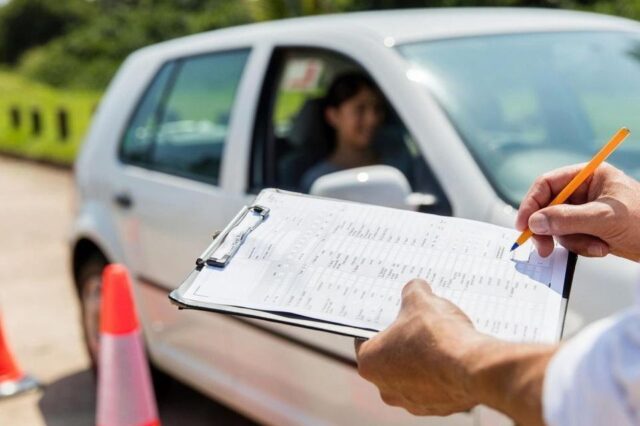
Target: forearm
509 377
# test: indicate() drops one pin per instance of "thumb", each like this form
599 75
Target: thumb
414 295
565 219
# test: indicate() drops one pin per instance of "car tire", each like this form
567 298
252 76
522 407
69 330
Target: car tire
89 285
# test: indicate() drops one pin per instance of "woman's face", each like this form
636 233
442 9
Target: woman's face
357 119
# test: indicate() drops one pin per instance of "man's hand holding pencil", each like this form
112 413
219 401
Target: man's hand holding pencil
601 216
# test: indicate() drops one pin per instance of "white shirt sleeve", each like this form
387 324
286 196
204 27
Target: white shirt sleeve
594 379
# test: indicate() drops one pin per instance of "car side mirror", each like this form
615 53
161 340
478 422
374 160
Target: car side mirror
381 185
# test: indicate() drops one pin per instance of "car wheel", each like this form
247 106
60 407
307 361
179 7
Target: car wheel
90 293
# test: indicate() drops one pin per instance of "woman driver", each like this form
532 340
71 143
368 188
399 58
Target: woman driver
354 110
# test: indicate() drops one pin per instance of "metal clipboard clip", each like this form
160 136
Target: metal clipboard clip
229 238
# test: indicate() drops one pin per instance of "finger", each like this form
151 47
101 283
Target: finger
392 399
419 411
432 409
364 362
544 244
593 218
357 344
585 245
544 190
415 294
364 347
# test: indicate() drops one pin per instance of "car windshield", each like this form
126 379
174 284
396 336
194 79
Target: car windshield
528 103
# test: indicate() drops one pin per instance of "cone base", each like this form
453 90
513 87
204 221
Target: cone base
16 387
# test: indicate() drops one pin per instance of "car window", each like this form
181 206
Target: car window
194 119
296 135
139 135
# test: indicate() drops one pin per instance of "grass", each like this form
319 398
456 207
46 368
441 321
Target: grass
28 100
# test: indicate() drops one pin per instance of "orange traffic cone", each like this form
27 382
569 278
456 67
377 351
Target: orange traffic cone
12 380
125 394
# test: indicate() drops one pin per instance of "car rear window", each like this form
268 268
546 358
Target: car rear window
182 123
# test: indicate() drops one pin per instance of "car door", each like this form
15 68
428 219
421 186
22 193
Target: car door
171 188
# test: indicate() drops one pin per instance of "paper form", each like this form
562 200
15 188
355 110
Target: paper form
346 263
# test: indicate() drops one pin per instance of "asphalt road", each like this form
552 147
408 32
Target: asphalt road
41 313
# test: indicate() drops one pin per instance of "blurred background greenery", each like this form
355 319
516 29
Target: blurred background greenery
57 56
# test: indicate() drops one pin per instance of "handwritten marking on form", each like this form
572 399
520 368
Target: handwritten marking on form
347 263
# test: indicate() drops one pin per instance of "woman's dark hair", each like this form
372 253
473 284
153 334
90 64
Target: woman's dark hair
346 86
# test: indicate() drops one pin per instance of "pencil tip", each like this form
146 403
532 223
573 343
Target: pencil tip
514 246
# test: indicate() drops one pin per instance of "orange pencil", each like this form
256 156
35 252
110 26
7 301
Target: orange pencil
602 155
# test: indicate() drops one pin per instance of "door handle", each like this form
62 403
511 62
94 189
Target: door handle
123 200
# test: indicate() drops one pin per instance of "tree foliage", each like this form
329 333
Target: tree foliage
88 56
28 23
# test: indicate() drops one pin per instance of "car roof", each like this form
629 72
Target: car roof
407 25
414 24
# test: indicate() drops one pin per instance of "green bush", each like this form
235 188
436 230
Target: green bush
28 23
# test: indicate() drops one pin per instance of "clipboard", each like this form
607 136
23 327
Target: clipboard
226 243
209 258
